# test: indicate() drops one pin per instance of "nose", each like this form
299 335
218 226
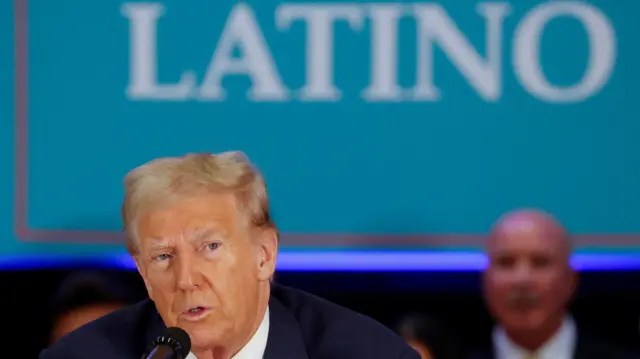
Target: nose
187 274
523 272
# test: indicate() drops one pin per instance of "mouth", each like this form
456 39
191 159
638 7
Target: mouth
524 305
195 314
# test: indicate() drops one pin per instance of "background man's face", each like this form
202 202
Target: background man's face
528 282
201 268
74 319
422 349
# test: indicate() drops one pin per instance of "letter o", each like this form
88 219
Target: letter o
526 51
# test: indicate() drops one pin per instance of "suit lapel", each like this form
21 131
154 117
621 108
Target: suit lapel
285 339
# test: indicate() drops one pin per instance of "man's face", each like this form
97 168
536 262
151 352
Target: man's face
203 267
528 282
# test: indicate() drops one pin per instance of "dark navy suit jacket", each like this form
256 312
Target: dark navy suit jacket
302 326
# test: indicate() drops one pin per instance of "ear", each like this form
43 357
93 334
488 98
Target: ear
141 271
267 254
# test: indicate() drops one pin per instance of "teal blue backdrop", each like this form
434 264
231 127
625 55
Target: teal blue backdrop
415 136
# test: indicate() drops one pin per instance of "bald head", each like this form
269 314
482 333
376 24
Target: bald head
529 281
530 223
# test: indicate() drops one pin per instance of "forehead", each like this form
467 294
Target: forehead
523 235
190 215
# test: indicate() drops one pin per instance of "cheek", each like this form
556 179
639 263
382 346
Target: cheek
240 262
220 272
498 291
498 299
555 294
550 284
229 274
160 284
232 279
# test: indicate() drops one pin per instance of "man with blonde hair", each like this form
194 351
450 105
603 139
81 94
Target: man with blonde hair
206 246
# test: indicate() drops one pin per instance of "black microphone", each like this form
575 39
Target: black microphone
173 344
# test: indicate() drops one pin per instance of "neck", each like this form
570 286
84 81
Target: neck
532 340
231 349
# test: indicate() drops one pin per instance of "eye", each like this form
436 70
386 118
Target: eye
541 262
212 246
162 257
504 262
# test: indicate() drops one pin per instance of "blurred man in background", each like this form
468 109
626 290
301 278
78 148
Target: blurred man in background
84 297
528 285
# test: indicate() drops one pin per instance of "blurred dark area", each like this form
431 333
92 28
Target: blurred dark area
608 303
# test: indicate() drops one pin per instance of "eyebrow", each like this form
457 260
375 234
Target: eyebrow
204 233
194 236
158 243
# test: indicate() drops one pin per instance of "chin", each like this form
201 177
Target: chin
201 337
527 321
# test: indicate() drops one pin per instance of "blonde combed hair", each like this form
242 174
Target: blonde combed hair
168 180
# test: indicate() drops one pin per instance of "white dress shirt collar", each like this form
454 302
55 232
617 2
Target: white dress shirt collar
257 344
560 346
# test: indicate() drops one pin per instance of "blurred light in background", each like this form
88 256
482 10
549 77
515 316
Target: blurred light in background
326 261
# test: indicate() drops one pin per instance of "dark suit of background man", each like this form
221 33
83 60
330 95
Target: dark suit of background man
528 285
200 232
